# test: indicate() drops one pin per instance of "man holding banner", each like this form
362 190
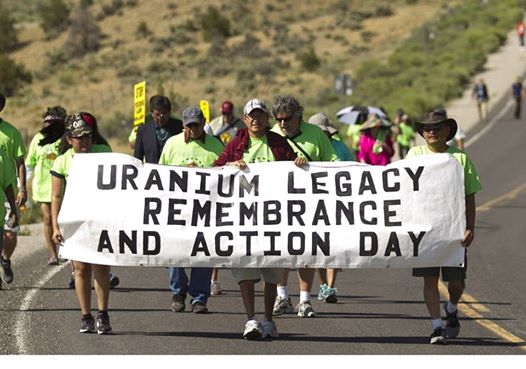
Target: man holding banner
311 144
436 129
254 144
191 148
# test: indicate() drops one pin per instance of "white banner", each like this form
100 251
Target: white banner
119 211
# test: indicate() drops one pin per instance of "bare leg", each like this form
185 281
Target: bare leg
247 293
102 285
455 291
48 229
83 285
270 296
215 274
323 275
432 296
285 279
10 240
306 277
331 277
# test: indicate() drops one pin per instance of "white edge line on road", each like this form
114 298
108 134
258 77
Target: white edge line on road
489 126
23 318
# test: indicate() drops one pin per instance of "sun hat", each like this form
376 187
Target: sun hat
437 117
321 120
374 121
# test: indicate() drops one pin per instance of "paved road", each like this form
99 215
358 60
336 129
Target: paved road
379 311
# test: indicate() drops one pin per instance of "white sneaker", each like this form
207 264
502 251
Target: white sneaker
268 329
282 306
252 330
305 310
215 288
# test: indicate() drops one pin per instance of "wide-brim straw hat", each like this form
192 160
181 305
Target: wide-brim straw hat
375 121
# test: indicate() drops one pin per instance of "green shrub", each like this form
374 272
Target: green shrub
54 17
309 60
214 24
13 76
7 29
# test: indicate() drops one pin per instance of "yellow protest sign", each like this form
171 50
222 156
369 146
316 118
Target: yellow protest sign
139 104
203 104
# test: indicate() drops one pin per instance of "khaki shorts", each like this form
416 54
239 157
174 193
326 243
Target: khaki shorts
449 274
6 226
269 275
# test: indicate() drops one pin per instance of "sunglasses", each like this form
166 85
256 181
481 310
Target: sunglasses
433 127
285 120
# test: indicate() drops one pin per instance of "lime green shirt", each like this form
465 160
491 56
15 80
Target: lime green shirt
7 177
313 141
63 162
180 153
11 144
471 178
258 151
407 133
41 159
354 133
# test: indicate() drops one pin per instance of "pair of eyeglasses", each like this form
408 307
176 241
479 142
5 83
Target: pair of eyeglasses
434 127
285 120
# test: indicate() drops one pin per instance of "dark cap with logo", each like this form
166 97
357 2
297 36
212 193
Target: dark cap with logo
192 114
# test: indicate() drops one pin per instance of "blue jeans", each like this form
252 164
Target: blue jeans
199 286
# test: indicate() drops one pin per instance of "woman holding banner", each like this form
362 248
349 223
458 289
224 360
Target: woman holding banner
78 136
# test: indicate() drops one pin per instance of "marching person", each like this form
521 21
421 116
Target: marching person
436 129
310 144
191 148
256 143
376 146
7 177
13 147
43 151
78 136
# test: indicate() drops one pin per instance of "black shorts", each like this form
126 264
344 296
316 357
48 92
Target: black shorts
449 274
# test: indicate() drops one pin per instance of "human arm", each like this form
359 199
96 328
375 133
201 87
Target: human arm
57 189
469 234
22 193
13 219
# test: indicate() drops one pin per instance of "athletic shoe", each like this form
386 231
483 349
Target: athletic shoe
114 280
269 330
215 288
6 271
452 323
178 303
252 330
199 307
305 310
103 323
438 336
88 324
323 292
330 297
282 306
53 260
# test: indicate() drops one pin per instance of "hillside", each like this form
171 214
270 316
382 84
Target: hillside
261 55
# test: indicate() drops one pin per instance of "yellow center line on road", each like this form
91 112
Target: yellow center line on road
471 307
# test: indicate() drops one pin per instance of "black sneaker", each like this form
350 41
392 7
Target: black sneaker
6 271
88 324
103 323
452 323
178 303
114 280
438 336
199 307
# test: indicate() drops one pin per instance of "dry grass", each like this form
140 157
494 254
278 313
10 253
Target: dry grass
93 84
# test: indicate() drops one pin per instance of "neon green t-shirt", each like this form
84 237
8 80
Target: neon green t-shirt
7 177
258 151
63 162
313 141
354 133
41 158
11 144
471 178
407 133
180 153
